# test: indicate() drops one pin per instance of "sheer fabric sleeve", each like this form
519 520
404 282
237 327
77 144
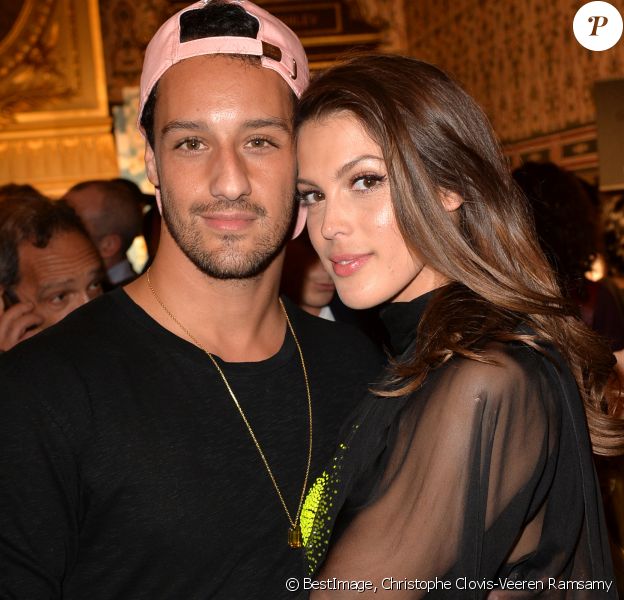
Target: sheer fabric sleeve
464 487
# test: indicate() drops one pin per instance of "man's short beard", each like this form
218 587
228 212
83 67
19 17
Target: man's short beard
226 262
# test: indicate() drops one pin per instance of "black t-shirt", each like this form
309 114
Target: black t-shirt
126 471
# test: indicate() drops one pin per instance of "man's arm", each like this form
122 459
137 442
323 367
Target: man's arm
39 491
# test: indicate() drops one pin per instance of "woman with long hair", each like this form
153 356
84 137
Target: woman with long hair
467 472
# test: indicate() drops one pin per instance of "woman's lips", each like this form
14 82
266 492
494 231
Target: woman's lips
345 265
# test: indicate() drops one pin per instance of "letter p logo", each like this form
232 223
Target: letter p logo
597 26
598 22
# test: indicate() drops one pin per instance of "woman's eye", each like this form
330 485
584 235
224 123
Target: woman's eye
366 183
311 197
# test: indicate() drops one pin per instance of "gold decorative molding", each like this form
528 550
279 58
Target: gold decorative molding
54 160
53 102
127 27
327 28
575 149
30 74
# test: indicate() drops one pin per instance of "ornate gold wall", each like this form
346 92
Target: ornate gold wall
519 59
54 121
326 28
523 64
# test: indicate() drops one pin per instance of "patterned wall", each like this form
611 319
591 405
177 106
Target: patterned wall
519 58
522 63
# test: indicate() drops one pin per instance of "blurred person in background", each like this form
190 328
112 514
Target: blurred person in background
48 266
150 221
21 190
613 235
611 470
305 280
113 217
566 222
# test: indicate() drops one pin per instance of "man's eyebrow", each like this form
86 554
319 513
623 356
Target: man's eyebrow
176 125
273 122
43 290
63 283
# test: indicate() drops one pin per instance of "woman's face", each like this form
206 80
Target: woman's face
343 181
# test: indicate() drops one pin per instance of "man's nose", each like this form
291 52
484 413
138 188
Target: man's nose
229 176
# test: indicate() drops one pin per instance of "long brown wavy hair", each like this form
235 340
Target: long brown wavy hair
435 138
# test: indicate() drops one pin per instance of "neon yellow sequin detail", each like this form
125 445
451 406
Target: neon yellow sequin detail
310 506
317 516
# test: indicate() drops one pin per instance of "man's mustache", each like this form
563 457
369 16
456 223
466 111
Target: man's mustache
203 209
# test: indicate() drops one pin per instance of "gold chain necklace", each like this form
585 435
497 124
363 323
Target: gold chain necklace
294 531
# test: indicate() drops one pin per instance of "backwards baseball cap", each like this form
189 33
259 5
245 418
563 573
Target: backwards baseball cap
277 46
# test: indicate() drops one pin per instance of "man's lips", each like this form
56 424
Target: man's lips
230 221
348 264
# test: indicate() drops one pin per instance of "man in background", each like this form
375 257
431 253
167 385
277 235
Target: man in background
48 266
113 218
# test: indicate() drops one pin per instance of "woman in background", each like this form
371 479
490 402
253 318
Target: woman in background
471 461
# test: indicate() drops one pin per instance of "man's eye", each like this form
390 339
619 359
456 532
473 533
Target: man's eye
58 298
260 143
190 144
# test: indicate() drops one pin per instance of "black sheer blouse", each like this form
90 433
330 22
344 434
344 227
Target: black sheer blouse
479 485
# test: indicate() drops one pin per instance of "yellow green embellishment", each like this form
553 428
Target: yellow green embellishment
310 506
318 513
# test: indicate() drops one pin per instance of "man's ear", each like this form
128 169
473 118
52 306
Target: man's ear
150 165
109 245
301 220
451 200
152 173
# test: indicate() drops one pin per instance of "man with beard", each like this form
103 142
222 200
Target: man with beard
159 442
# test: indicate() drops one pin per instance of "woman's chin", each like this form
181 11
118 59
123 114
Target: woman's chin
359 301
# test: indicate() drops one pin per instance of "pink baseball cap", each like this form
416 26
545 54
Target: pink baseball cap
276 44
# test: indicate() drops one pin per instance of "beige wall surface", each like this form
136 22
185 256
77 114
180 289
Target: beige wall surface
521 61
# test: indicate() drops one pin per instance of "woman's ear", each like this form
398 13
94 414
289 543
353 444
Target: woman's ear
451 200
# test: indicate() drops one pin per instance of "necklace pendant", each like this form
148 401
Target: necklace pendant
294 536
